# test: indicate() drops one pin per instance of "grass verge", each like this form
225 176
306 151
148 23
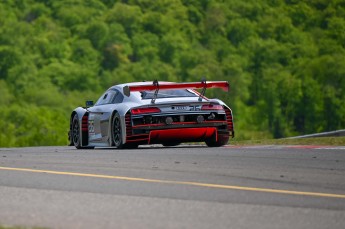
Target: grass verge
19 227
331 141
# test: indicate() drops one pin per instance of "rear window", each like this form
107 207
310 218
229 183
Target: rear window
167 94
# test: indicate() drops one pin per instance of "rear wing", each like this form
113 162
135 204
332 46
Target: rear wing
155 86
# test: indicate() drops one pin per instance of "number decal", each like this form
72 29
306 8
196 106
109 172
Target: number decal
91 127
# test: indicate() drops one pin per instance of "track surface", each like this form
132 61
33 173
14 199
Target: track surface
177 187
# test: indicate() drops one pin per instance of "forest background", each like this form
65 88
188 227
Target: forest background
284 60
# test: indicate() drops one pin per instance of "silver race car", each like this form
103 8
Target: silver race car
128 115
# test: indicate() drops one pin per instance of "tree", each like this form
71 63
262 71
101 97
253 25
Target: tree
282 58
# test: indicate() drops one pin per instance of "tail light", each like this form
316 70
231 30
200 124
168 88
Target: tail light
145 110
229 119
212 107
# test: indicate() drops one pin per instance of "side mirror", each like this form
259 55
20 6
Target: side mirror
89 103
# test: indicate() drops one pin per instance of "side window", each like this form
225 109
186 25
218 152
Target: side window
118 98
107 97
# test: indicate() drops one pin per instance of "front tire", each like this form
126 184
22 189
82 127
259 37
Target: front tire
75 135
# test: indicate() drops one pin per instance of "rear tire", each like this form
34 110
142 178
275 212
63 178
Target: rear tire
117 131
117 134
221 141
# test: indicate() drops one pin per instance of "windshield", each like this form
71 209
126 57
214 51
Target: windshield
167 94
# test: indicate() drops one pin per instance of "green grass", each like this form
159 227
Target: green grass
19 227
332 141
8 227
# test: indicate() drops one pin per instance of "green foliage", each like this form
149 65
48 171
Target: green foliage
284 60
9 58
32 125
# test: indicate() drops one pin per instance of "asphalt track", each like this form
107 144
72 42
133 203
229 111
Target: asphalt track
177 187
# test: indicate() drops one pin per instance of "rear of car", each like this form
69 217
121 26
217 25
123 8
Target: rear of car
173 116
128 115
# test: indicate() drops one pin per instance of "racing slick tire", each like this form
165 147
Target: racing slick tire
117 134
116 131
222 140
75 132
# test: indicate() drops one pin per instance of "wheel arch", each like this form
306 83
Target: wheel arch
70 128
123 125
110 129
80 112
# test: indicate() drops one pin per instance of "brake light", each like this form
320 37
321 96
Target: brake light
212 107
145 110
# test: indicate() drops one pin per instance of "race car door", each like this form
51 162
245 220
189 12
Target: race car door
98 116
115 97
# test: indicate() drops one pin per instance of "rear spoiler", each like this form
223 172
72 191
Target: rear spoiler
171 86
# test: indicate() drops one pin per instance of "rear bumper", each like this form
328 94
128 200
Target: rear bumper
180 125
154 129
182 135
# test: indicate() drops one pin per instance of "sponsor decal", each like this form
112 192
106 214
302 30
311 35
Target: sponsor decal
91 127
187 108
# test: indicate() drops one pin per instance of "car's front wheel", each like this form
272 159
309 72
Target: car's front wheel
75 135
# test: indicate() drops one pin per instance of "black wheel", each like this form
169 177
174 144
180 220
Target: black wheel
75 135
117 135
222 140
117 131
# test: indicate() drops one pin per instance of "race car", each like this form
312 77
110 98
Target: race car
141 113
